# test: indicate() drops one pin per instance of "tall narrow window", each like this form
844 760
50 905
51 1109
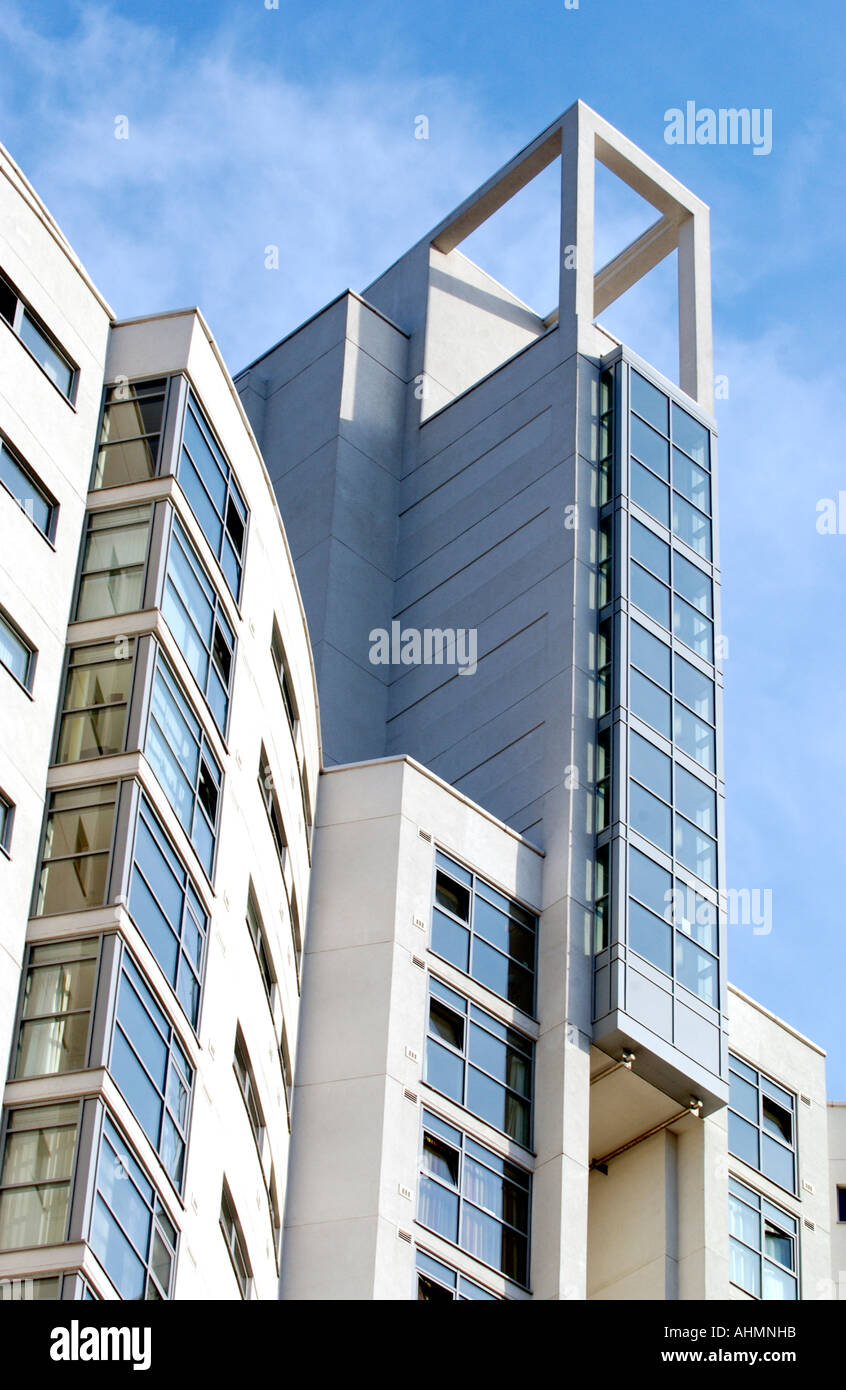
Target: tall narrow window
271 805
151 1069
128 451
16 653
35 1178
762 1123
763 1245
114 556
195 616
484 933
280 663
21 484
215 499
166 908
255 927
7 816
96 700
235 1242
38 339
249 1091
181 757
131 1233
77 843
59 989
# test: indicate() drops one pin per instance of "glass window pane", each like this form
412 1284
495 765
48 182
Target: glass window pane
445 1071
650 703
649 654
650 766
438 1208
777 1163
696 631
696 970
745 1268
450 940
649 882
25 490
696 850
776 1120
649 816
120 1261
650 595
503 976
691 436
696 801
650 551
695 689
453 897
54 363
650 937
744 1223
14 653
650 448
778 1284
650 493
33 1216
691 527
743 1139
692 482
649 402
695 738
693 585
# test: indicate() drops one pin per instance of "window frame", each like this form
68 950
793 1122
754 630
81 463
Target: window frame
133 384
106 851
90 529
18 634
23 309
7 823
155 1206
173 1046
428 1115
763 1079
454 1290
469 926
69 712
794 1236
22 1019
145 813
193 406
74 1106
468 1064
267 791
48 533
235 1240
178 537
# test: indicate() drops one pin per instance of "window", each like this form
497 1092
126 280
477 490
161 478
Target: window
287 1073
114 555
235 1243
96 699
247 1086
256 929
484 933
37 339
131 1233
688 718
21 484
606 435
151 1069
296 934
58 994
603 779
35 1178
180 756
670 465
604 564
601 895
474 1198
841 1204
166 909
7 816
271 805
762 1245
762 1124
77 844
436 1281
480 1063
603 668
27 1289
196 618
673 927
16 653
213 495
130 434
280 663
656 786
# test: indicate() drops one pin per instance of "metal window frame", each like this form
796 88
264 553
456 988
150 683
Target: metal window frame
759 1126
22 307
760 1253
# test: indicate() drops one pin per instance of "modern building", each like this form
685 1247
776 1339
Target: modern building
421 994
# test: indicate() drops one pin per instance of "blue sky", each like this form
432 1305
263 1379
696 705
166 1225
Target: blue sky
294 127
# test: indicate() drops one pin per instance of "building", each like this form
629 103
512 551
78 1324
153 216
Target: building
492 861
